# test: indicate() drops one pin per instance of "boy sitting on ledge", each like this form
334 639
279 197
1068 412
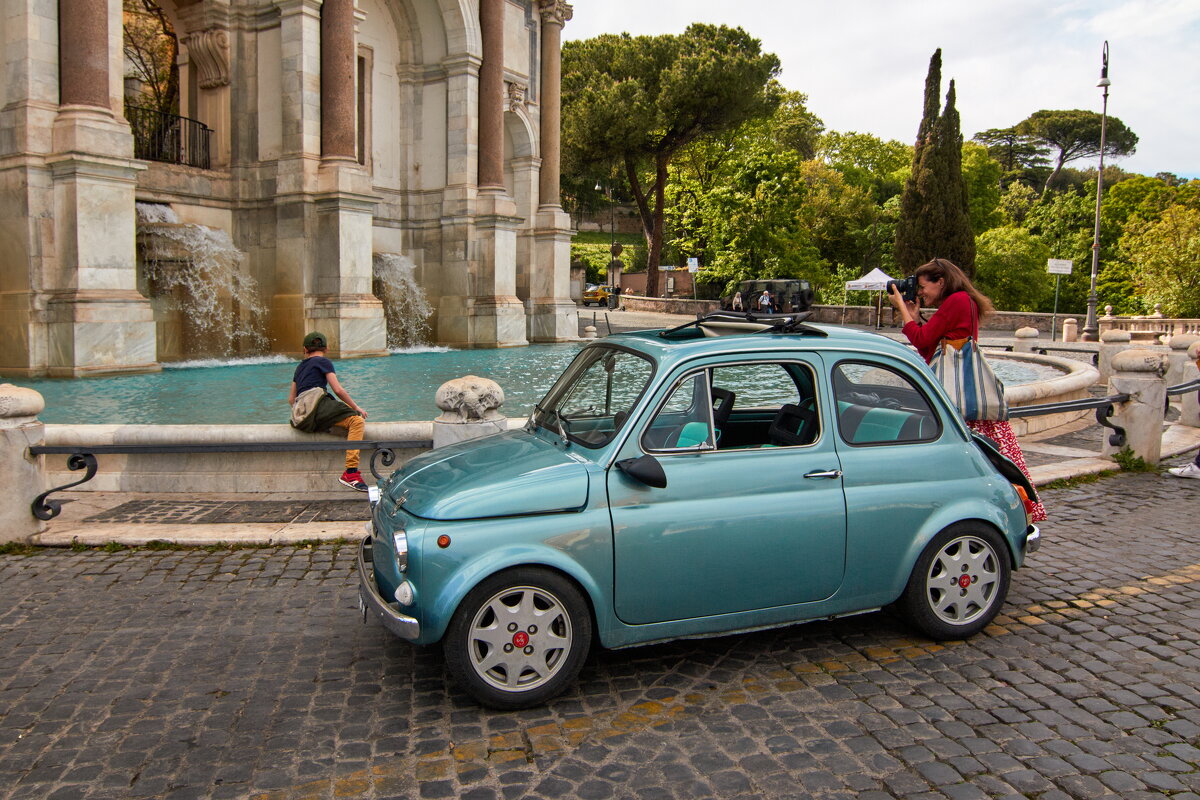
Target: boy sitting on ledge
314 410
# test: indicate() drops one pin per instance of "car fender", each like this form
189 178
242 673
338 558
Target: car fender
951 514
469 574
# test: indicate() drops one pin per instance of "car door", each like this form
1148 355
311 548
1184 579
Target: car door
747 526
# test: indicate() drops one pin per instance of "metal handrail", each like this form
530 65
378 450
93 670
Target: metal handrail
170 138
1183 388
1104 411
84 457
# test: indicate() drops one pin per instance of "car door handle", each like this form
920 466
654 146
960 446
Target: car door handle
828 473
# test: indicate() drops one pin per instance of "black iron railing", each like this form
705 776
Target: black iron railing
83 457
158 136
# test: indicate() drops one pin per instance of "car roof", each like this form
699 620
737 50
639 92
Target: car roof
812 338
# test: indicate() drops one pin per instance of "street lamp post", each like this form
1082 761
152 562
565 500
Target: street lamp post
1091 327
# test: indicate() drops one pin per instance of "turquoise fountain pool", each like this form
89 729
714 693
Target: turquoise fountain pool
395 388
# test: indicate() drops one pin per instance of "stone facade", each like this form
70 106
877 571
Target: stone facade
339 130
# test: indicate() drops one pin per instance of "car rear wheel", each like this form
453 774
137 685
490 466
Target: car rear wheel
519 638
959 582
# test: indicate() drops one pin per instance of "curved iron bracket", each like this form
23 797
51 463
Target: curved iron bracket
45 509
384 454
1117 437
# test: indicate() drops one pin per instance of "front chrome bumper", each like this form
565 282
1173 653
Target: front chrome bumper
369 598
1033 539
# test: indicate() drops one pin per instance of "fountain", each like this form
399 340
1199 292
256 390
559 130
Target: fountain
204 302
405 308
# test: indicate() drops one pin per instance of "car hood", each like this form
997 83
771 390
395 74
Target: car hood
505 475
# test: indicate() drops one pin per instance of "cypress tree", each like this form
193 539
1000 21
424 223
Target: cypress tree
935 219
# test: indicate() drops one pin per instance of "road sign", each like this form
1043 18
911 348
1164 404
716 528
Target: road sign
1059 266
693 264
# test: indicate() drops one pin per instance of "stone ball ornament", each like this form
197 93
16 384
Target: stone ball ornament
469 399
19 405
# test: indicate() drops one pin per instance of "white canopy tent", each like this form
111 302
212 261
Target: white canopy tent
874 281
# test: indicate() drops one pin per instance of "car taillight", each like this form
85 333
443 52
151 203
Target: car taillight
1026 502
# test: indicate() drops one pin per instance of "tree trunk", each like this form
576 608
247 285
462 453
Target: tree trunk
655 256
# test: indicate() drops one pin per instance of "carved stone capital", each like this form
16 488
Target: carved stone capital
209 51
556 11
469 399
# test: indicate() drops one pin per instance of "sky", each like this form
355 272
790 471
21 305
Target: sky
862 63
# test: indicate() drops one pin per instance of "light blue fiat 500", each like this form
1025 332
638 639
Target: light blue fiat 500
728 475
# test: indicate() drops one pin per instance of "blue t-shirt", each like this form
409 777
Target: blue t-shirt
310 373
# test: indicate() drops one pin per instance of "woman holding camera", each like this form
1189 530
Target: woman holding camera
941 284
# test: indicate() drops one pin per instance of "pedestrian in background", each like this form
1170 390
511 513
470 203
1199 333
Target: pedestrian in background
315 411
737 304
766 303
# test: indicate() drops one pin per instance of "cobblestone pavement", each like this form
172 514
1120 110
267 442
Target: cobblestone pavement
248 673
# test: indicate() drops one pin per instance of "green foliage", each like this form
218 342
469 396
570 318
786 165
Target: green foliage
1015 203
981 174
150 47
934 218
1019 155
1164 255
16 549
1065 222
1129 462
1010 268
868 162
631 104
1075 134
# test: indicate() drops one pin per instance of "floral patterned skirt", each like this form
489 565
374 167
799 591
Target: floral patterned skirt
1002 434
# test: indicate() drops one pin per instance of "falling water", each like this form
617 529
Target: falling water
201 275
405 307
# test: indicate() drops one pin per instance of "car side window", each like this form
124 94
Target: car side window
684 422
765 404
877 405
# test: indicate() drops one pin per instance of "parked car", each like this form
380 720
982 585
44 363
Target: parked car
790 295
722 476
597 294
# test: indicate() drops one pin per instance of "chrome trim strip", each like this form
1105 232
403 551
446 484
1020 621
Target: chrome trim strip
402 625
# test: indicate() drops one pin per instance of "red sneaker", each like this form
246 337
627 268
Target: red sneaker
354 480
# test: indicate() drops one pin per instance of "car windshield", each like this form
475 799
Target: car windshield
594 396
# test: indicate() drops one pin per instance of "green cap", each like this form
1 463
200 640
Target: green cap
315 340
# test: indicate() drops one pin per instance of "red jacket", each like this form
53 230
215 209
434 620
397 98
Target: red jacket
956 318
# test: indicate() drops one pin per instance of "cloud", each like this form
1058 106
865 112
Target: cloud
862 63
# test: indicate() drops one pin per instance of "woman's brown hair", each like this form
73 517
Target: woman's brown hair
955 280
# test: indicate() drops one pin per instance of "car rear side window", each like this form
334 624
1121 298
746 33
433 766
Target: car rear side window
877 405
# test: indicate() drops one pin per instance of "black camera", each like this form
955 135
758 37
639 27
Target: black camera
906 286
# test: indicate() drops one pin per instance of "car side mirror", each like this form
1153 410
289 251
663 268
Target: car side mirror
645 469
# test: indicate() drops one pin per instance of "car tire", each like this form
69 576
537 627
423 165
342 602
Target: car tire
519 638
959 583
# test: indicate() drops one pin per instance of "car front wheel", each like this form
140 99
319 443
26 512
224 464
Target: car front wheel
959 582
519 638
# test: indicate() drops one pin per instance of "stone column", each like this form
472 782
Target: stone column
22 475
491 95
1189 404
1178 364
1139 373
553 315
83 53
1027 339
96 321
555 14
338 101
495 316
1070 330
1112 341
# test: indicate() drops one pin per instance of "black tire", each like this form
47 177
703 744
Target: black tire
532 657
959 583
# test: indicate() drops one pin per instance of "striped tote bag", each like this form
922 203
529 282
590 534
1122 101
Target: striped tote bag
968 379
